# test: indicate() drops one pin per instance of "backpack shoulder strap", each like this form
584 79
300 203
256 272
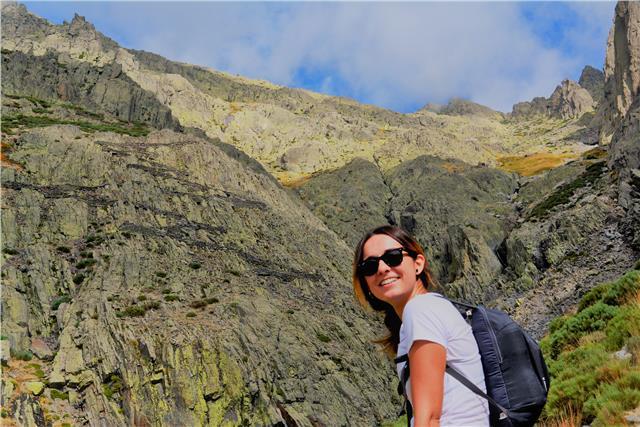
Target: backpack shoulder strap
504 413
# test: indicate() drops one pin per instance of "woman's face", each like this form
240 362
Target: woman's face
394 285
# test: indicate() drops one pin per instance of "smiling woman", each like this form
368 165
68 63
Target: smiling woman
391 274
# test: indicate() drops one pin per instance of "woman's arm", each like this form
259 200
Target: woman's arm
427 362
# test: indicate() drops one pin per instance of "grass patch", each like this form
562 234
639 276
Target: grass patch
171 297
9 251
14 121
78 278
563 194
161 274
195 265
322 337
56 303
56 394
63 249
191 314
587 382
25 355
87 262
532 164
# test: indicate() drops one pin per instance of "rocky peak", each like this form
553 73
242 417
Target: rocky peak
79 24
592 80
16 18
462 107
569 100
622 67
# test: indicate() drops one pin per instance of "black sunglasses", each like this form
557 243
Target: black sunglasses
391 257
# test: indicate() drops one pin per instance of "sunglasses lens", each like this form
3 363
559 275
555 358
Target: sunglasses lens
392 257
369 267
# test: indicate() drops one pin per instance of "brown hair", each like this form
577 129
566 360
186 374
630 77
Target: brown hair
390 342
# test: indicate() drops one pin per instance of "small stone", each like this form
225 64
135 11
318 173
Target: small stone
41 349
56 379
34 387
632 419
622 354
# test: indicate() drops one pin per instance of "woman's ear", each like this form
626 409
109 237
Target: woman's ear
419 263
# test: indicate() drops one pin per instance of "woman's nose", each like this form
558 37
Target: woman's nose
383 267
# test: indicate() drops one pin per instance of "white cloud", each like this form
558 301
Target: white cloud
398 55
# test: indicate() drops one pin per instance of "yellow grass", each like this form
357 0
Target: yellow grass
533 164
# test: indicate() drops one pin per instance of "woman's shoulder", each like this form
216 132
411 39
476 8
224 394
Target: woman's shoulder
431 302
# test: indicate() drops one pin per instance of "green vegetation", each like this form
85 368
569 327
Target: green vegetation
35 101
14 121
132 311
4 413
171 297
78 278
55 304
111 386
195 265
588 384
9 251
161 274
87 262
203 302
86 254
3 337
138 310
563 194
191 314
322 337
63 249
25 355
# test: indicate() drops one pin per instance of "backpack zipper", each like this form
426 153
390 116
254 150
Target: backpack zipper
493 335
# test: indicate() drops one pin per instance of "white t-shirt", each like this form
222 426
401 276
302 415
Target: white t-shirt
432 318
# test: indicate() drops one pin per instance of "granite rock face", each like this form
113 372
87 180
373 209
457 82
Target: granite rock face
592 80
621 111
568 100
102 89
460 213
162 307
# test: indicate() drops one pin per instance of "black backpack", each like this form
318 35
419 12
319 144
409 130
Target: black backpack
516 376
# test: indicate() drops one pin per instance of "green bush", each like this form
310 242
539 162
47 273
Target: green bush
25 355
152 305
171 297
78 278
86 262
322 337
161 274
132 311
63 249
191 314
10 251
593 318
195 265
55 304
615 293
588 380
212 300
55 394
563 194
86 254
623 326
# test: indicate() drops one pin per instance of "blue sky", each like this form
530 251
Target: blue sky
392 54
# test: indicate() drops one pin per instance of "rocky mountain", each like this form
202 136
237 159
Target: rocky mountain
568 100
176 241
593 81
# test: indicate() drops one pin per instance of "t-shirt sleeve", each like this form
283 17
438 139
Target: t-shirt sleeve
424 319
